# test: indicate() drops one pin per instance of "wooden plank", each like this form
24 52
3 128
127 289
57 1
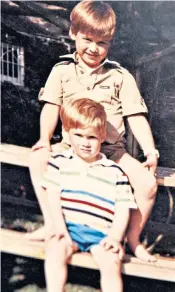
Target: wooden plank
166 176
18 155
15 243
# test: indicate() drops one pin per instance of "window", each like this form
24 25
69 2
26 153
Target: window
12 64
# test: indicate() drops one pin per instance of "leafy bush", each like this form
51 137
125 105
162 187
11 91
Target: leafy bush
20 116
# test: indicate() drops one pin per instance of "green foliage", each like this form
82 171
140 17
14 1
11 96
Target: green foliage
20 116
20 106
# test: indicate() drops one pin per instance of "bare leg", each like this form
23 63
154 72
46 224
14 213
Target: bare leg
57 254
38 164
145 188
110 269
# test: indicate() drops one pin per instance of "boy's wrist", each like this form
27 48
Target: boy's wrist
45 139
116 238
151 151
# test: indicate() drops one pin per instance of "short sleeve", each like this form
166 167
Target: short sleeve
53 91
51 178
124 194
132 102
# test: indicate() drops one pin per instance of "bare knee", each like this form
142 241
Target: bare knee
38 161
147 186
52 245
110 267
56 250
150 187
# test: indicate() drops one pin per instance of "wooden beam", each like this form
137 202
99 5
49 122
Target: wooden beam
156 55
166 176
15 155
16 243
18 155
31 6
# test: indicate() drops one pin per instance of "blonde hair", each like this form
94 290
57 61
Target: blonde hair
83 113
94 18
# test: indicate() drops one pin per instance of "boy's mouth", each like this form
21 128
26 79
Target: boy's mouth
92 55
85 150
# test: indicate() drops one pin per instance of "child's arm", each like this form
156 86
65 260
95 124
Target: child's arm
59 225
51 94
120 222
117 232
142 132
48 121
124 200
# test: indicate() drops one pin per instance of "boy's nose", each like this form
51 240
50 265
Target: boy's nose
85 142
93 47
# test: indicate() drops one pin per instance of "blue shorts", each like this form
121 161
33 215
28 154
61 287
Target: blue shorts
84 236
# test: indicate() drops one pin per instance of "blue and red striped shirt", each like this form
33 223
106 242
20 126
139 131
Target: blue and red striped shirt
89 192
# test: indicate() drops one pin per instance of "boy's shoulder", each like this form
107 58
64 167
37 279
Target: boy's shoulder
114 65
65 60
108 163
66 154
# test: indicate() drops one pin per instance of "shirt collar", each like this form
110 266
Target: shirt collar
71 56
107 162
84 66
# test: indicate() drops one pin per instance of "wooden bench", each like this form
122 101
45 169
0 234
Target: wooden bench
18 155
16 243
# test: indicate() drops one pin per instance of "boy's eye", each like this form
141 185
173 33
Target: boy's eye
104 43
78 135
87 39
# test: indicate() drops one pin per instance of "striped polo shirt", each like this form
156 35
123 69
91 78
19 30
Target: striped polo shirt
89 191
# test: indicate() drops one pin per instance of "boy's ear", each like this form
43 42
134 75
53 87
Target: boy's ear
102 139
71 34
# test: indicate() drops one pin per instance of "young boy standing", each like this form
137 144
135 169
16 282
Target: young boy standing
90 190
88 72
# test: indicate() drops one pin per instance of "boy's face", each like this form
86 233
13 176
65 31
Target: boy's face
91 50
85 143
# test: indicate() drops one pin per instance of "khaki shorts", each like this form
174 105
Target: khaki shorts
112 151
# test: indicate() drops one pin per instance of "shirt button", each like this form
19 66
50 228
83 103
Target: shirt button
88 88
81 71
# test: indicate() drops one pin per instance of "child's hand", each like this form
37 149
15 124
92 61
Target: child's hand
41 144
151 163
50 232
41 92
71 245
110 243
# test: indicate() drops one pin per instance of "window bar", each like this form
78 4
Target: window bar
12 68
18 65
13 73
22 65
2 61
7 62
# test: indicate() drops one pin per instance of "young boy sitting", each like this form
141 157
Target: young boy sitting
88 72
90 190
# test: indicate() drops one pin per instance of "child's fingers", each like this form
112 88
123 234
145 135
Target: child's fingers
40 145
109 243
115 248
121 254
60 236
103 242
68 239
49 236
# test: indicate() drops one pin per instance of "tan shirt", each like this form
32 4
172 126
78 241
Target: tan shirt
110 84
